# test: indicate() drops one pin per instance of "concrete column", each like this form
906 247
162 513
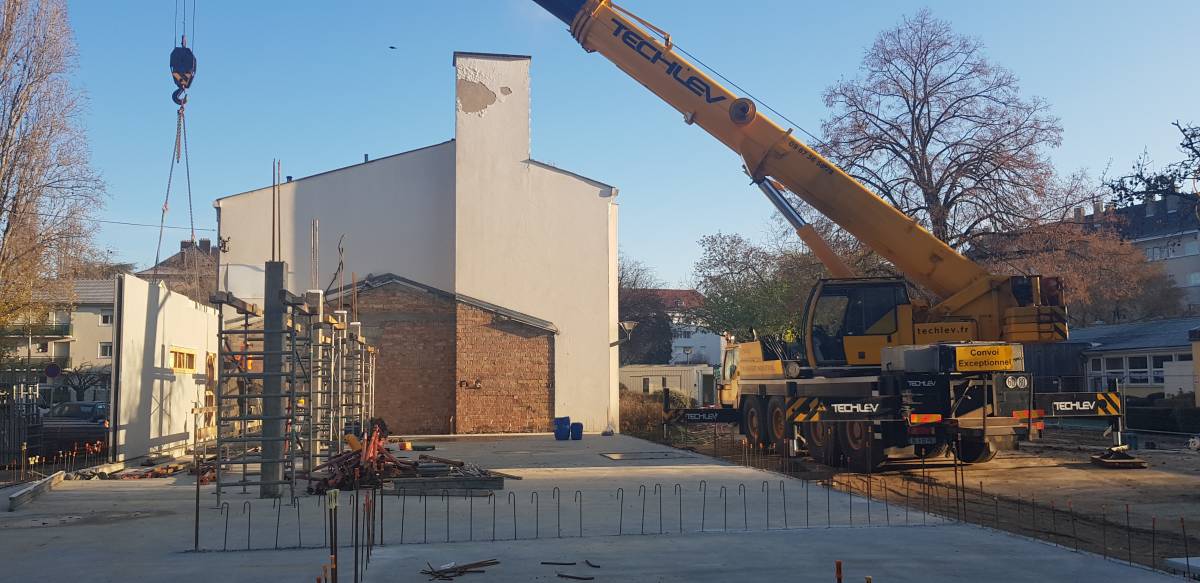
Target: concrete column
274 320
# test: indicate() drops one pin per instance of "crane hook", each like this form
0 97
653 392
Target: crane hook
183 70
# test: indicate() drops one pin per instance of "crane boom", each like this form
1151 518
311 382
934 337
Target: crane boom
767 149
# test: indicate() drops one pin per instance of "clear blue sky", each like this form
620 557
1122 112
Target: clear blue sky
314 84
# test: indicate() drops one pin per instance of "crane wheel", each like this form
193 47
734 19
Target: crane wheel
754 423
863 453
822 443
779 429
976 452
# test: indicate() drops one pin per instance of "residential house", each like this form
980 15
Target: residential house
690 342
1168 231
71 341
191 271
1140 358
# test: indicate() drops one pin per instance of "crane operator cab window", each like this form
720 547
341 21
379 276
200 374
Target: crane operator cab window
852 322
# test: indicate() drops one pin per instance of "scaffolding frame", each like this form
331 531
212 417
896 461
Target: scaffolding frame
304 379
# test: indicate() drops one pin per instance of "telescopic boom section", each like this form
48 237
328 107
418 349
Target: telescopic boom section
766 148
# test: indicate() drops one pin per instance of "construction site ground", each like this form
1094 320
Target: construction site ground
732 520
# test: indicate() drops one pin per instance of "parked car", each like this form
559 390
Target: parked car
68 426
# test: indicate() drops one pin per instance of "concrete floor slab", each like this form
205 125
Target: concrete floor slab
936 553
143 529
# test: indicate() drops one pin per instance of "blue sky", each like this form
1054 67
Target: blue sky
314 84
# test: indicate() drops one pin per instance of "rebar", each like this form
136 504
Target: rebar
425 518
658 494
1187 557
556 496
620 511
299 536
446 498
766 489
579 501
225 511
1104 529
246 509
1053 523
537 514
403 503
703 502
745 511
783 495
642 495
470 514
512 501
679 498
278 504
725 512
491 498
1154 542
828 495
1128 536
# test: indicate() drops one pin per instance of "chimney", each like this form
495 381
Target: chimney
1150 204
366 158
185 245
491 113
289 178
1097 208
206 246
1079 214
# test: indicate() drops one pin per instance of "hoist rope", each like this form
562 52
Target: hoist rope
179 153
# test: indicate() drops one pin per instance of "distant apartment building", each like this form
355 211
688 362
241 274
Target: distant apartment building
691 343
75 338
1168 232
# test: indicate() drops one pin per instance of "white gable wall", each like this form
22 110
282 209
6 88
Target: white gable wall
396 215
534 238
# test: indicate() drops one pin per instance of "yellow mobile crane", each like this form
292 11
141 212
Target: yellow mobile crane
874 371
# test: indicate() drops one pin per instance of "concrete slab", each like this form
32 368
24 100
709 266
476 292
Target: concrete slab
719 517
939 553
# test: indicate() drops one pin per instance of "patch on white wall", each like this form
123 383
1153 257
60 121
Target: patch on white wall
474 97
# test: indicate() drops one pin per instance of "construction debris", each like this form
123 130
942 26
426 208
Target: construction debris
452 570
575 577
373 464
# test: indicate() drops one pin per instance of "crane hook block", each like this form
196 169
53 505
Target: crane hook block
183 69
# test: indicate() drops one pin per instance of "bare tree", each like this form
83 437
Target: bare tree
941 133
1180 178
633 274
47 187
86 376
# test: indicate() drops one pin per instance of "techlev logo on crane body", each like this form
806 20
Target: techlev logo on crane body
673 68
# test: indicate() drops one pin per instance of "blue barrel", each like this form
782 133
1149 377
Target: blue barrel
562 428
576 431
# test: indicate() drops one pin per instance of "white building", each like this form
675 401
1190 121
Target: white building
690 342
696 381
475 216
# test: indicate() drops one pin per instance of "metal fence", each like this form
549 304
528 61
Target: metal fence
20 432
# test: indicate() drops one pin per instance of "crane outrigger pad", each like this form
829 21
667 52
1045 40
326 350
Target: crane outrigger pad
1118 458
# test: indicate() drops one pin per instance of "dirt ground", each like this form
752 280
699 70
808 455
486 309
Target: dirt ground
1048 489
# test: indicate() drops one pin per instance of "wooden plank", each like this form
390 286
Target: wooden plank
31 492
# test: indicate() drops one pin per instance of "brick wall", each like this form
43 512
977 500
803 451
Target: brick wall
515 364
414 333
